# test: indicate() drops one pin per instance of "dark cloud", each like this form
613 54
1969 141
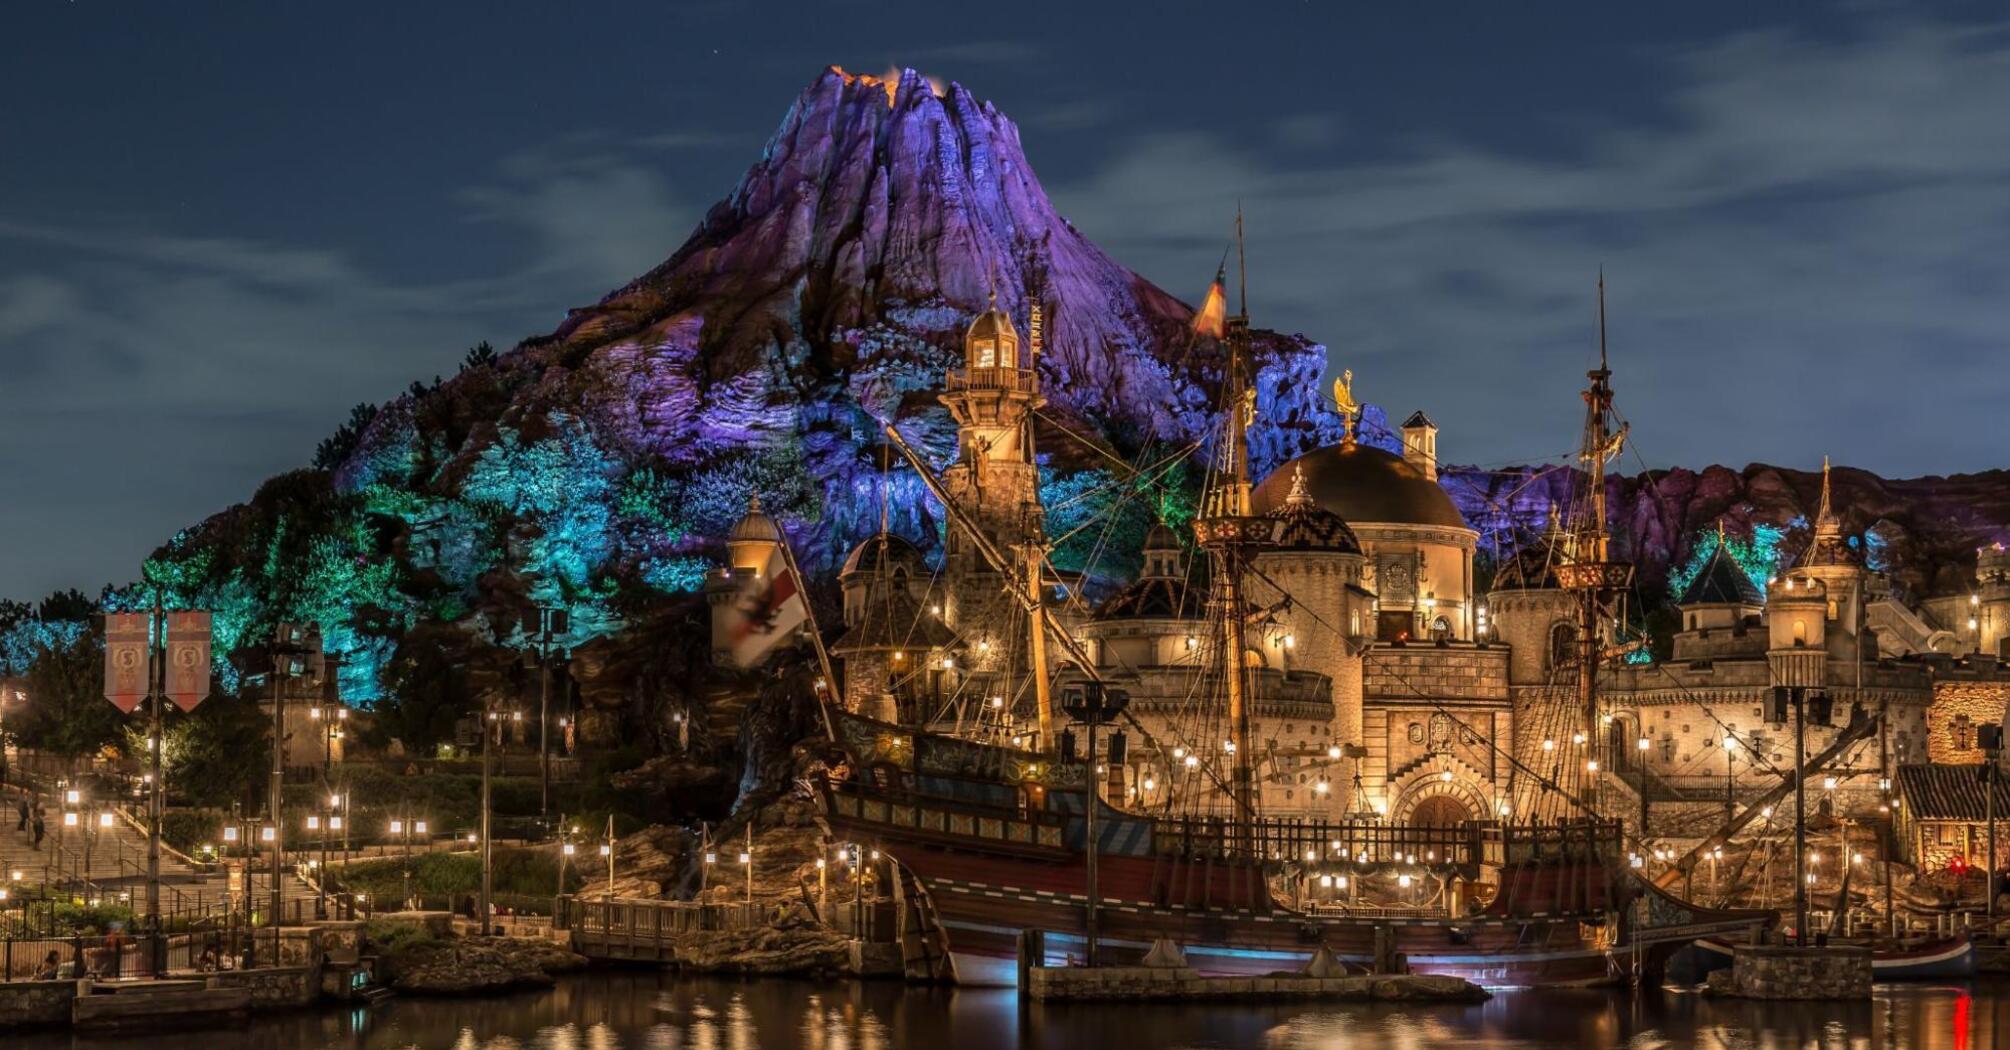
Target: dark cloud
1799 256
204 263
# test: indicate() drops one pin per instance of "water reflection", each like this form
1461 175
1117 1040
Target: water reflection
630 1010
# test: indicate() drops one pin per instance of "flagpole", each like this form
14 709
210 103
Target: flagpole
816 636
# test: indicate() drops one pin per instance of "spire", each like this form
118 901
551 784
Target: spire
1826 516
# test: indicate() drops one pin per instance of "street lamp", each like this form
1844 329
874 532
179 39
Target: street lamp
543 628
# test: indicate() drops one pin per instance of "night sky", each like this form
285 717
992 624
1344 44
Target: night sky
223 224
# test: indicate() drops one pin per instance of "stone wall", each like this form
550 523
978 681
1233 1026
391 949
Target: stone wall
1767 972
274 987
34 1004
1423 669
1958 707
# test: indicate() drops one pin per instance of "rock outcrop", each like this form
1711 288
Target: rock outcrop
471 966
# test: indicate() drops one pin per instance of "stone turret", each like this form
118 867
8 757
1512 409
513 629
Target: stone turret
1317 561
1420 444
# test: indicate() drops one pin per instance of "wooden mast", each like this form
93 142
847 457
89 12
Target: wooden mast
1229 530
1587 568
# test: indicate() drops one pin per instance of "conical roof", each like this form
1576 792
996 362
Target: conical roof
1722 582
1308 526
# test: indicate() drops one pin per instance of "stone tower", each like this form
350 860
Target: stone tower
750 549
995 483
1989 603
1420 444
1317 562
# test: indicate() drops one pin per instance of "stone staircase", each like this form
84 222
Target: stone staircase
110 861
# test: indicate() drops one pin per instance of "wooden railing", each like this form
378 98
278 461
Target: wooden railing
1028 827
618 928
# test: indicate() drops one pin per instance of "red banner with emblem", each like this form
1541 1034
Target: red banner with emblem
187 658
126 644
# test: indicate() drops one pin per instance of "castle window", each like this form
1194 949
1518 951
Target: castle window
1964 733
1562 645
1800 632
1832 608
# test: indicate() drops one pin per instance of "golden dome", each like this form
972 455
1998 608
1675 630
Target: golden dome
756 527
1364 485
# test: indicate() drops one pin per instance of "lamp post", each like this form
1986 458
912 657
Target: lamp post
1092 705
607 850
293 648
566 848
1991 739
1806 702
1730 774
543 629
747 861
402 829
494 719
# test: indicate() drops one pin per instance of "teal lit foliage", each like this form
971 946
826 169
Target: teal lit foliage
556 489
1640 657
1111 514
24 639
647 497
678 574
1760 557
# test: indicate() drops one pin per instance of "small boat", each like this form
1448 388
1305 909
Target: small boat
1947 958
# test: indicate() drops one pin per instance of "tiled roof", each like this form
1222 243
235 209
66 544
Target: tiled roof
894 620
1722 582
1947 792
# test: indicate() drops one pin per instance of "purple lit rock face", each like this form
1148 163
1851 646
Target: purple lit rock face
831 288
1923 531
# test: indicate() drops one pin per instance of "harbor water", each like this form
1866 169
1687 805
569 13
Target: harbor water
651 1010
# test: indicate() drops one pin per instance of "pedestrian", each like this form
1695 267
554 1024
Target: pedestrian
21 807
52 965
41 827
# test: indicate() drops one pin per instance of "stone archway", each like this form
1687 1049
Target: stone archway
1440 811
1427 795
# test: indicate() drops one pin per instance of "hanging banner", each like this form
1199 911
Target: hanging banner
187 658
126 644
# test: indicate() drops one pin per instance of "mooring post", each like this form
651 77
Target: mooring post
1032 952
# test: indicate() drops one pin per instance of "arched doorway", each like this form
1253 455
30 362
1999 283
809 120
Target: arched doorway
1440 811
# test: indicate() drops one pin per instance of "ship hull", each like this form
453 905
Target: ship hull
983 903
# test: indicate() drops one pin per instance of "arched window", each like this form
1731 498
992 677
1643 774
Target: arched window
1441 630
1562 644
1800 632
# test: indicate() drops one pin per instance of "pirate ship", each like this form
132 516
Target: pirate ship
1000 823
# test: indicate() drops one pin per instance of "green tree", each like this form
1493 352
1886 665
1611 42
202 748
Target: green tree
211 756
67 712
428 692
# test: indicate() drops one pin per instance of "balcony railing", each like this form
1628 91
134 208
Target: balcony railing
1013 380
